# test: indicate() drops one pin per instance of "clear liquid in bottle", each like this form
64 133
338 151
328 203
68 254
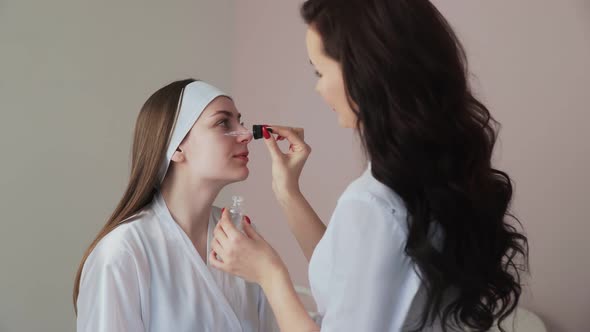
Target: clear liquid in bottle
237 212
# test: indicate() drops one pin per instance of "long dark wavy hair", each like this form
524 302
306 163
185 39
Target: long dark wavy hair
431 141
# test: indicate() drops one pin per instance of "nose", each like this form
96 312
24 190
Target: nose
246 137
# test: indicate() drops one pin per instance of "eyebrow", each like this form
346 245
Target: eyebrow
227 113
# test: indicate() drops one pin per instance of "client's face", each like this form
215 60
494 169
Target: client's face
212 155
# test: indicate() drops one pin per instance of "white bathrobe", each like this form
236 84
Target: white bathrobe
360 276
146 275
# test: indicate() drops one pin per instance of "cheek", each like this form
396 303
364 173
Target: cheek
342 104
211 155
328 89
334 91
339 91
320 87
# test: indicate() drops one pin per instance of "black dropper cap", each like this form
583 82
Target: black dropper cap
257 131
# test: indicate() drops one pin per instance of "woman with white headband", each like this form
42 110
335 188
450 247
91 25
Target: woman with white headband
148 268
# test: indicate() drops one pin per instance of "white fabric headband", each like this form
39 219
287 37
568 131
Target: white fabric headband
193 100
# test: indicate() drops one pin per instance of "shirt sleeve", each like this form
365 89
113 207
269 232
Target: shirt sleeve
109 298
373 280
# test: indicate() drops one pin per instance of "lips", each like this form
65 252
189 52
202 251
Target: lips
242 156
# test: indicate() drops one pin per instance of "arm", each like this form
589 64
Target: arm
303 221
290 313
305 224
109 299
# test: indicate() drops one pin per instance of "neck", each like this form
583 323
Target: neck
189 202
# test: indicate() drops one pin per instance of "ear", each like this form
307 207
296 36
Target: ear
178 155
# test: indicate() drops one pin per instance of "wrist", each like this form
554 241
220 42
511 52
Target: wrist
276 276
288 196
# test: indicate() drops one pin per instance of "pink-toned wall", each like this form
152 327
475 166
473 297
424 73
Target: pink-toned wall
531 65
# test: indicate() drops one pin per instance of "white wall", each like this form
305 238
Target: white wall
73 76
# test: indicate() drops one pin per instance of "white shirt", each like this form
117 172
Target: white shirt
360 276
146 275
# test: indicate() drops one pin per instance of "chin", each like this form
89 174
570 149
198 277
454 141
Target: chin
240 175
345 124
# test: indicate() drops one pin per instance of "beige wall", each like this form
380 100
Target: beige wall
73 75
531 61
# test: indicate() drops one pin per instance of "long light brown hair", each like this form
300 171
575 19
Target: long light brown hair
152 131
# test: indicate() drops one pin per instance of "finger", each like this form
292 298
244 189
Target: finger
219 234
249 230
217 247
293 135
215 261
283 131
218 230
273 148
227 226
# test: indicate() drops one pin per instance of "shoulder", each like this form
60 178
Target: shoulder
122 245
368 188
373 201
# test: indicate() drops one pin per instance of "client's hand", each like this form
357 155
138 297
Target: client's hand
246 255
